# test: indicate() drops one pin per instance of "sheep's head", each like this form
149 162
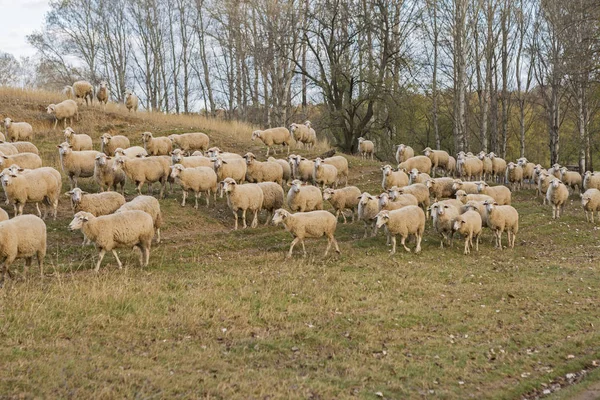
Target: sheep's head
5 178
176 156
401 148
79 219
255 134
279 216
213 152
119 163
457 185
51 109
318 162
14 170
103 85
105 138
522 161
307 123
229 185
556 166
218 162
383 217
328 193
461 195
250 157
146 136
76 195
101 159
7 122
295 185
585 199
384 199
491 155
481 155
64 148
68 132
555 183
459 222
387 169
490 206
427 151
293 127
414 173
365 198
176 170
361 139
394 192
442 209
481 186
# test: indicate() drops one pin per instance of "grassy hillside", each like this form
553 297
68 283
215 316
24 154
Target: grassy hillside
221 314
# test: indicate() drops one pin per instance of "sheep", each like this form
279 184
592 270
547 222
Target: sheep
35 186
590 201
285 166
528 169
557 195
78 142
8 149
248 196
555 170
419 190
302 225
451 167
514 176
403 153
62 111
502 218
571 178
465 197
108 232
77 164
234 168
110 143
150 206
469 225
421 163
144 170
537 171
272 198
368 208
3 215
84 90
105 175
302 135
51 175
405 221
215 151
177 157
16 131
439 158
197 179
302 168
2 137
341 164
443 215
67 91
302 197
393 178
324 174
342 199
417 177
96 204
22 237
468 187
267 171
156 146
273 136
190 142
366 148
440 188
26 147
131 152
479 206
498 167
591 180
400 200
487 170
310 140
501 194
469 167
24 160
102 94
543 183
131 101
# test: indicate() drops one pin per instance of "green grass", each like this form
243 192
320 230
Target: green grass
222 314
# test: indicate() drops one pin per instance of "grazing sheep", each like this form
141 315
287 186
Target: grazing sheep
8 149
403 153
501 194
157 146
16 131
103 94
190 142
393 178
302 168
131 101
557 195
267 171
35 186
24 160
469 225
77 164
302 135
440 188
469 167
150 206
272 198
248 196
419 190
468 187
590 201
177 157
514 176
571 178
443 215
405 221
105 175
417 177
84 90
368 208
341 164
498 167
197 179
108 232
366 148
591 180
324 174
131 152
109 143
22 237
273 136
62 111
465 197
487 165
342 199
285 165
302 197
144 170
26 147
439 158
79 142
302 225
420 163
96 204
528 170
500 219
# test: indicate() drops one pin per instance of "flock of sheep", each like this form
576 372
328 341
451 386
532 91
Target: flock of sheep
420 186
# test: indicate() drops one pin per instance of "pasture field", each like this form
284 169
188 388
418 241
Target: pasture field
221 314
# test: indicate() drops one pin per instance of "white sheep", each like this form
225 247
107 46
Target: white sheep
571 178
190 142
62 111
131 152
590 201
528 170
302 168
124 229
157 146
273 198
324 174
24 160
342 199
26 147
16 131
131 101
366 148
393 178
144 170
443 215
302 197
67 91
103 94
439 158
420 163
440 187
403 153
500 219
417 177
110 143
248 196
405 221
8 149
368 208
267 171
177 157
285 166
419 190
591 180
469 167
498 167
487 165
273 136
302 135
197 179
77 164
234 168
341 163
543 179
150 206
501 194
399 201
451 167
514 176
555 170
465 197
313 224
311 137
105 175
34 186
469 225
84 90
78 142
468 187
557 195
215 151
22 237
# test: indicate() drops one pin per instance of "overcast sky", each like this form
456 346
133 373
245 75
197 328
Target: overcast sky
19 19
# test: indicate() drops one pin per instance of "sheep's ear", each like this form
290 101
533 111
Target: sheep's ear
84 192
21 169
290 184
372 197
494 203
5 157
109 158
58 146
68 194
463 222
224 162
70 146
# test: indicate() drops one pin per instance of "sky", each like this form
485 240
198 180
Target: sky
19 19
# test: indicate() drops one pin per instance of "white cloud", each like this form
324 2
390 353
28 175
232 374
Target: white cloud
20 18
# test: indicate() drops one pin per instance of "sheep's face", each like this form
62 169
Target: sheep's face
293 128
68 132
176 156
279 216
430 183
414 173
78 220
443 209
255 134
401 148
481 155
296 185
218 163
146 136
249 158
481 186
460 195
327 194
384 199
587 174
105 138
556 167
457 185
318 162
64 148
101 159
213 152
490 206
7 122
229 185
119 163
383 217
14 170
459 222
6 179
51 109
360 140
585 199
555 183
76 195
308 124
176 170
103 85
394 192
427 152
387 170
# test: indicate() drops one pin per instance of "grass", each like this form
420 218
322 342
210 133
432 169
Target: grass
221 314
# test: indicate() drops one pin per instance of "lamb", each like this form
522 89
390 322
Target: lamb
468 187
150 206
368 208
304 225
8 149
77 164
301 134
285 166
439 158
419 190
405 221
34 186
302 168
487 165
267 171
590 201
191 161
498 167
109 143
501 194
528 169
108 232
514 176
417 177
403 153
197 179
469 167
302 197
469 225
96 204
440 188
324 174
591 180
131 152
22 237
62 111
144 170
159 146
443 215
190 142
366 148
16 131
343 199
502 218
25 147
105 175
421 163
78 142
84 90
272 198
465 197
393 178
557 195
248 196
273 136
103 94
341 164
571 178
131 101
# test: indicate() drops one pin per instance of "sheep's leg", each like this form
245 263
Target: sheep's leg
55 208
255 219
45 211
150 192
55 122
294 242
28 261
208 197
477 241
268 149
514 236
197 195
158 235
117 258
466 251
269 217
419 237
100 257
328 245
16 208
139 187
499 239
37 207
403 243
364 236
235 214
185 193
303 248
40 260
21 206
374 224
